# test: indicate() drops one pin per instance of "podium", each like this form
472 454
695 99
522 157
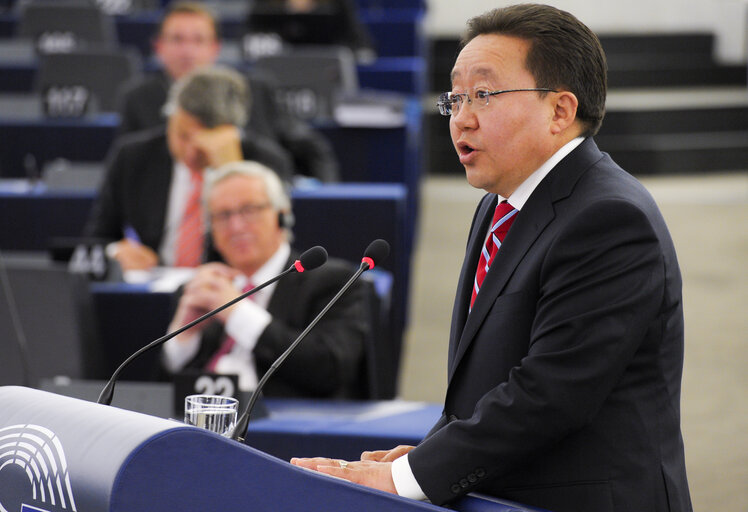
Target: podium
63 454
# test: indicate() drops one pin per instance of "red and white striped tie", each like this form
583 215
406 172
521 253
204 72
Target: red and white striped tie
502 220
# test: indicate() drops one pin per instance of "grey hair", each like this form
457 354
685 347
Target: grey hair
277 193
215 96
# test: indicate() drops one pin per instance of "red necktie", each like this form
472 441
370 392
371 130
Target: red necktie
190 238
228 343
502 221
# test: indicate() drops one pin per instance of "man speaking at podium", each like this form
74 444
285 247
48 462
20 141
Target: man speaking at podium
250 220
566 345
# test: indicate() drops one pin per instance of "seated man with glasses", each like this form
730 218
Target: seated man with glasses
249 217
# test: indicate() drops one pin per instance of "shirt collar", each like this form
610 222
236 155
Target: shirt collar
520 196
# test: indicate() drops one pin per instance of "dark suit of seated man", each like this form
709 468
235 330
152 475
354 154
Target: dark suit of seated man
150 197
250 219
188 38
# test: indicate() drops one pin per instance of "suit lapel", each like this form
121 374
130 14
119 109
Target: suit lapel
162 182
483 216
154 184
285 291
529 224
534 217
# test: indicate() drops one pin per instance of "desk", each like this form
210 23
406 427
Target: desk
117 304
366 153
293 427
86 139
306 428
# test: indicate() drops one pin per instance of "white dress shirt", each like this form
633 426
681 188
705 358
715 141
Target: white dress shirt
245 325
402 475
179 190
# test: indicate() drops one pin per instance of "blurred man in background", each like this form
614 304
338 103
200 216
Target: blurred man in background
189 38
250 220
150 198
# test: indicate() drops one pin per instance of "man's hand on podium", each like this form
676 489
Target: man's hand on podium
365 472
387 455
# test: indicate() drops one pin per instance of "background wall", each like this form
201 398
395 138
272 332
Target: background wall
727 19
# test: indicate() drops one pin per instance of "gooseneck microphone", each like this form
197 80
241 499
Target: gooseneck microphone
375 253
309 260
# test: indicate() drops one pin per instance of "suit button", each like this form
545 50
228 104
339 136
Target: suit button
472 478
452 418
480 472
455 489
464 484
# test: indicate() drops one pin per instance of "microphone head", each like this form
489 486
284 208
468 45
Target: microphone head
311 259
376 253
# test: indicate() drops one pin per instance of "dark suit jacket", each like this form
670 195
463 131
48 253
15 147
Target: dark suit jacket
140 104
135 190
329 362
564 380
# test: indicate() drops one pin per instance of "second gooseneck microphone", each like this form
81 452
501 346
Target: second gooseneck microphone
375 253
310 259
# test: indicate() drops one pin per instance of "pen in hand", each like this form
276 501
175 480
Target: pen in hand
131 234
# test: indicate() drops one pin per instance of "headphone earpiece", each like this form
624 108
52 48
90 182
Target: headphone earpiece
286 220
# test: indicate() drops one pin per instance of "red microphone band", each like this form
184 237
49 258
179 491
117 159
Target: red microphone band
369 261
299 267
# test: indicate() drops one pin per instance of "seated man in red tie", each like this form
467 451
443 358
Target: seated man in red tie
250 219
150 199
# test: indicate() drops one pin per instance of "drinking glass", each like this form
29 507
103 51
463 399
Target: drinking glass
211 412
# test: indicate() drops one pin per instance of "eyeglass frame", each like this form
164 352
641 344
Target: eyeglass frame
248 212
445 105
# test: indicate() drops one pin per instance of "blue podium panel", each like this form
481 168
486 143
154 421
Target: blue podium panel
61 453
199 471
68 452
64 454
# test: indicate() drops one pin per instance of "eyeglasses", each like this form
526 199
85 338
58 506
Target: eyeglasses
450 102
247 212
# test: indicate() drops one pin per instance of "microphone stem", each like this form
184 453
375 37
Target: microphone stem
243 422
108 392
